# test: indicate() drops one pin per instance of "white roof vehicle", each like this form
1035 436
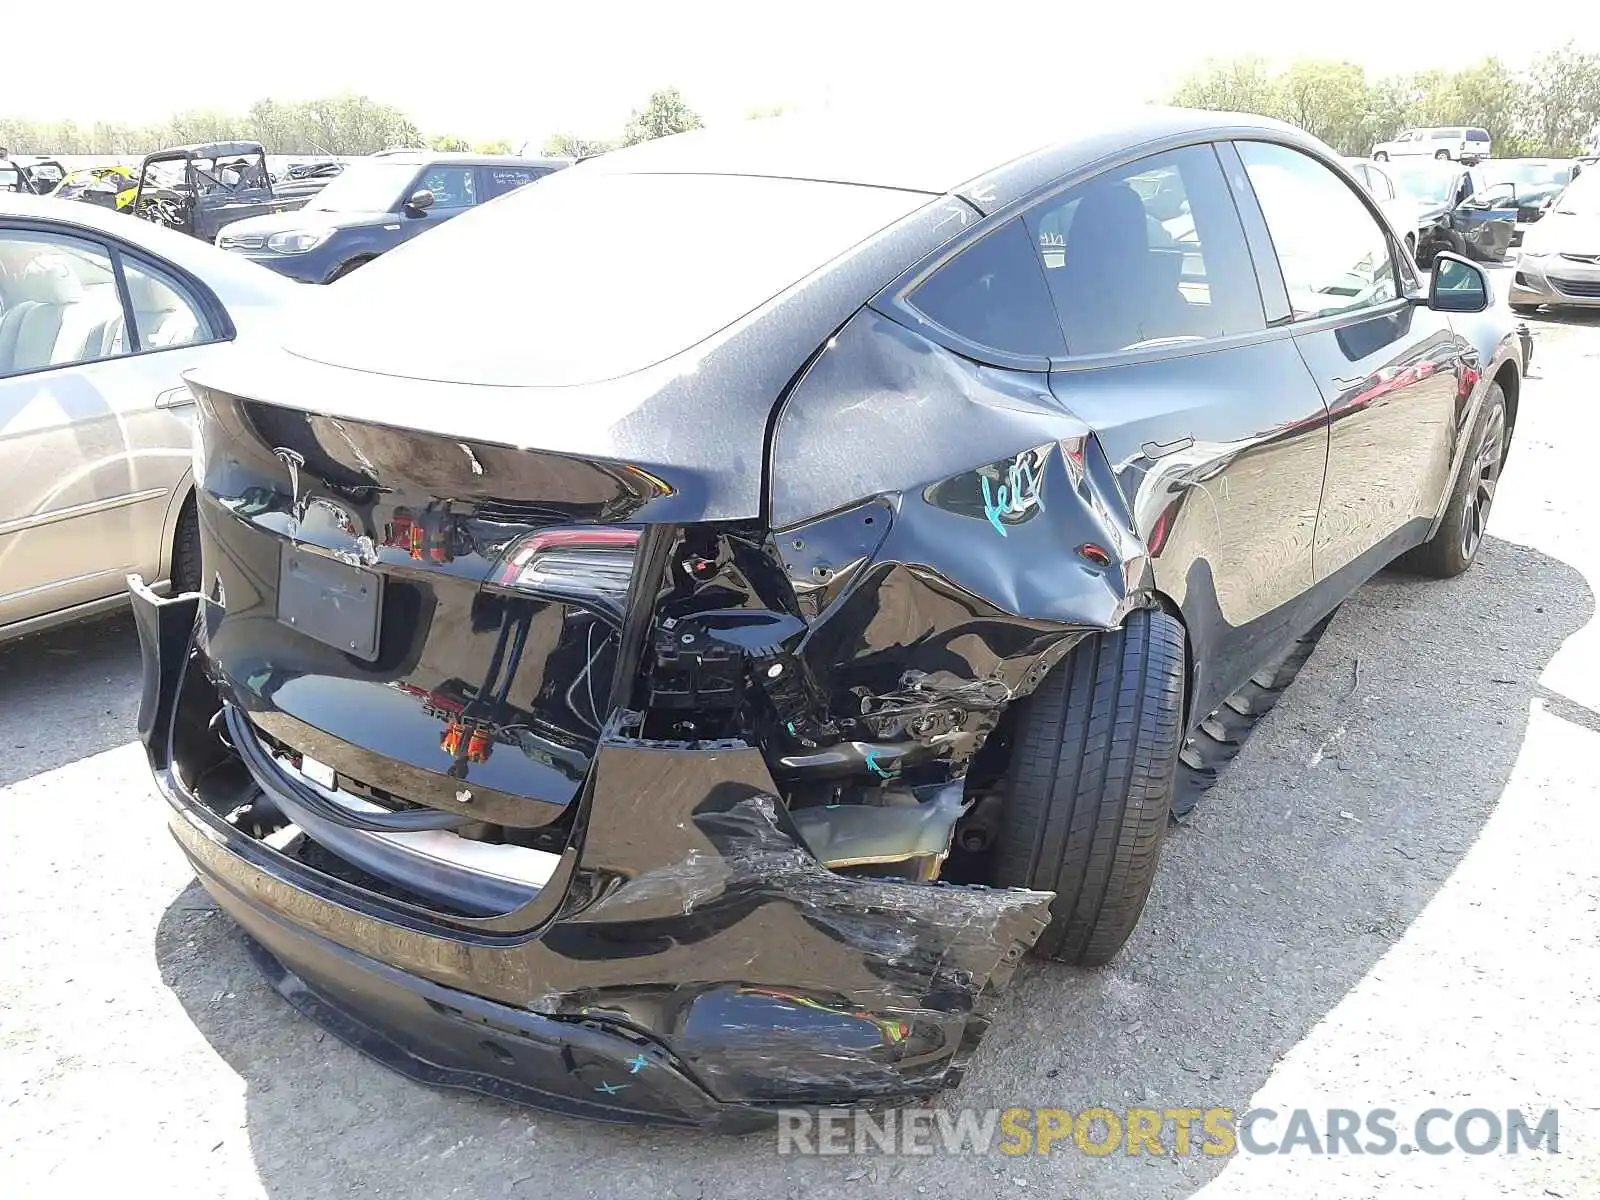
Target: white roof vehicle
1459 143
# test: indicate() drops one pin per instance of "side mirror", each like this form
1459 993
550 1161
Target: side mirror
1458 285
419 202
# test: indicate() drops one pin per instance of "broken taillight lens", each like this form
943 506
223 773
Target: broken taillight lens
591 565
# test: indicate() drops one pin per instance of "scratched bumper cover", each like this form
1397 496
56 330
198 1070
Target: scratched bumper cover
690 963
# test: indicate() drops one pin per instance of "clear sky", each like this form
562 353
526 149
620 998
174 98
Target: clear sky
484 69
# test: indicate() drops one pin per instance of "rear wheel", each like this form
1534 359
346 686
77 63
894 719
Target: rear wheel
1381 156
1442 155
1090 785
186 551
1454 546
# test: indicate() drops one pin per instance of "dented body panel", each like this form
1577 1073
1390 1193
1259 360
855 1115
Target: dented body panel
690 962
599 734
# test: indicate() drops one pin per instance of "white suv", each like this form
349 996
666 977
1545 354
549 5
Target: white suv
1455 142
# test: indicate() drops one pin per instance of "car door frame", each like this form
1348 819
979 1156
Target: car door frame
1218 658
222 329
1410 293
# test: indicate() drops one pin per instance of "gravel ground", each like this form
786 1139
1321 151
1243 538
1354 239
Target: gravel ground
1391 900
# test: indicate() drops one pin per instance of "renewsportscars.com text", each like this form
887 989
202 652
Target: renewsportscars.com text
1213 1131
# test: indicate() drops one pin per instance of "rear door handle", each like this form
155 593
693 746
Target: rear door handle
1155 450
175 398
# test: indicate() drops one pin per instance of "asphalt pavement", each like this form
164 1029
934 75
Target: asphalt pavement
1391 900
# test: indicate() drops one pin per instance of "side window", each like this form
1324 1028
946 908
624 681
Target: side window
994 293
1148 253
452 187
1334 254
164 313
497 181
59 303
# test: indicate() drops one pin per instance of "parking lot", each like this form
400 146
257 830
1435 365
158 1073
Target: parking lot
1390 900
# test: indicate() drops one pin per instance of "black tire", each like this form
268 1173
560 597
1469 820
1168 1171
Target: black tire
1442 155
186 551
1524 310
1455 544
345 268
1381 156
1090 785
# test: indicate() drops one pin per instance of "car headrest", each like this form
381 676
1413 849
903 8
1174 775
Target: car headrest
1109 225
50 280
146 293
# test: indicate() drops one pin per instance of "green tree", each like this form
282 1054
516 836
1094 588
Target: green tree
1561 108
1240 84
570 145
1328 100
498 146
666 113
448 142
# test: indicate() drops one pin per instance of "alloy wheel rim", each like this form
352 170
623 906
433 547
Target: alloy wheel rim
1482 483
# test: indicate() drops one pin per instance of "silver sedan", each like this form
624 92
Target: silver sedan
100 315
1560 263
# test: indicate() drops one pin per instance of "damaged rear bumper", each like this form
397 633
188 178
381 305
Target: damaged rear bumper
688 962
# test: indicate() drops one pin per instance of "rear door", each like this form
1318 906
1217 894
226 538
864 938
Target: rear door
1217 433
1390 370
499 178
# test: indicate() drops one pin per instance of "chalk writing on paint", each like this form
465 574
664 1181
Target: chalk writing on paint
1014 498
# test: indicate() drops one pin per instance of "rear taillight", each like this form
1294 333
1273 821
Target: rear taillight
591 564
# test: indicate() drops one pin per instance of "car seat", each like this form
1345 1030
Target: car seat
42 318
1114 290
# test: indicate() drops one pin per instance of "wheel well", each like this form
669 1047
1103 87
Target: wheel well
350 264
1510 382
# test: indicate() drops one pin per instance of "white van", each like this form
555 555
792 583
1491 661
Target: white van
1456 142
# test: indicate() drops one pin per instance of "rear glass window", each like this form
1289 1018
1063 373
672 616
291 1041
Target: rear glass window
1147 254
589 276
994 293
1477 135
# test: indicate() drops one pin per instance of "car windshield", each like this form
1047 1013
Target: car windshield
1582 197
1532 174
372 186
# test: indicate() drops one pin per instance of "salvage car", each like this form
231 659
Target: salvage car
667 686
374 205
1456 143
29 173
1404 212
1534 184
1457 209
198 189
98 317
1560 261
107 187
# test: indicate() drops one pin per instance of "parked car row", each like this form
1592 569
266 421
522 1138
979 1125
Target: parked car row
1483 210
375 204
1452 143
